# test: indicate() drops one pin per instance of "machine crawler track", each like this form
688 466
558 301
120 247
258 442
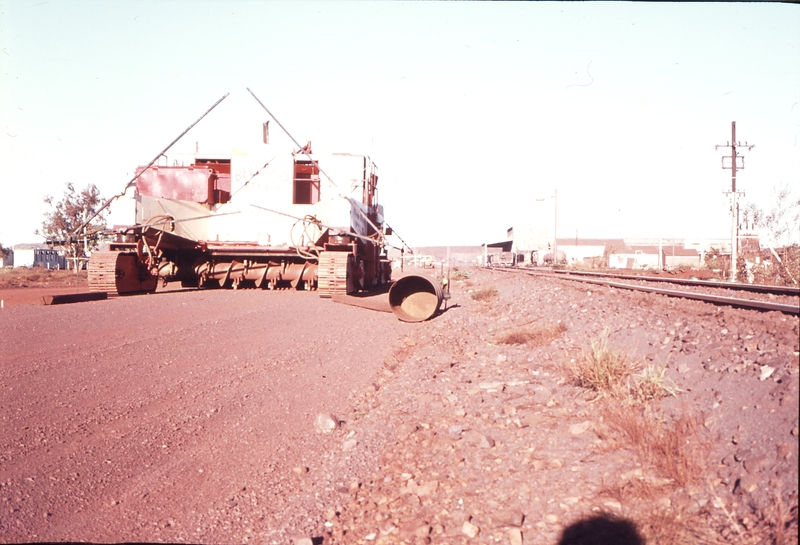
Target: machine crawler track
332 273
118 273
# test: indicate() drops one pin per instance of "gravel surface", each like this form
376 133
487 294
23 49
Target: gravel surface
194 417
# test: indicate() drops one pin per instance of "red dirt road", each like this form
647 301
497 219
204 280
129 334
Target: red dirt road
175 416
33 296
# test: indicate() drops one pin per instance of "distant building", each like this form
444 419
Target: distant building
590 251
38 255
498 253
528 246
645 256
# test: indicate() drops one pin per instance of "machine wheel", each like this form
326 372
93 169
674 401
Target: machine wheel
119 273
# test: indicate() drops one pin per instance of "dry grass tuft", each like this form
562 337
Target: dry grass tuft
673 452
485 294
779 521
540 336
652 383
675 522
677 448
612 373
773 524
683 524
684 521
602 369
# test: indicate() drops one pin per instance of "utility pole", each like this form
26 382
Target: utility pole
555 227
734 166
555 223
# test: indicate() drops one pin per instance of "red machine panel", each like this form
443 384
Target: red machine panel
193 183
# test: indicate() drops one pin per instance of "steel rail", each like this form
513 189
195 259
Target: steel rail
706 297
755 288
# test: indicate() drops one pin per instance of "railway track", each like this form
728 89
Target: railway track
761 297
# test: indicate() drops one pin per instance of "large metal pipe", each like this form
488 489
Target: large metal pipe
415 298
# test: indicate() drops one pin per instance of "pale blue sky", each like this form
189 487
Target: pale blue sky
470 110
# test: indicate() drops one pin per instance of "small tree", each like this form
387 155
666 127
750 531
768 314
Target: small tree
61 224
781 225
782 222
607 253
713 259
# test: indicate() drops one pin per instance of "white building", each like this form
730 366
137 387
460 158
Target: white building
528 243
37 255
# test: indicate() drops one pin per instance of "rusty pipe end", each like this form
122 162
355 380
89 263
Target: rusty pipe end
415 298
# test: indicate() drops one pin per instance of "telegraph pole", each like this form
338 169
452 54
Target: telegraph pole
734 166
555 227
